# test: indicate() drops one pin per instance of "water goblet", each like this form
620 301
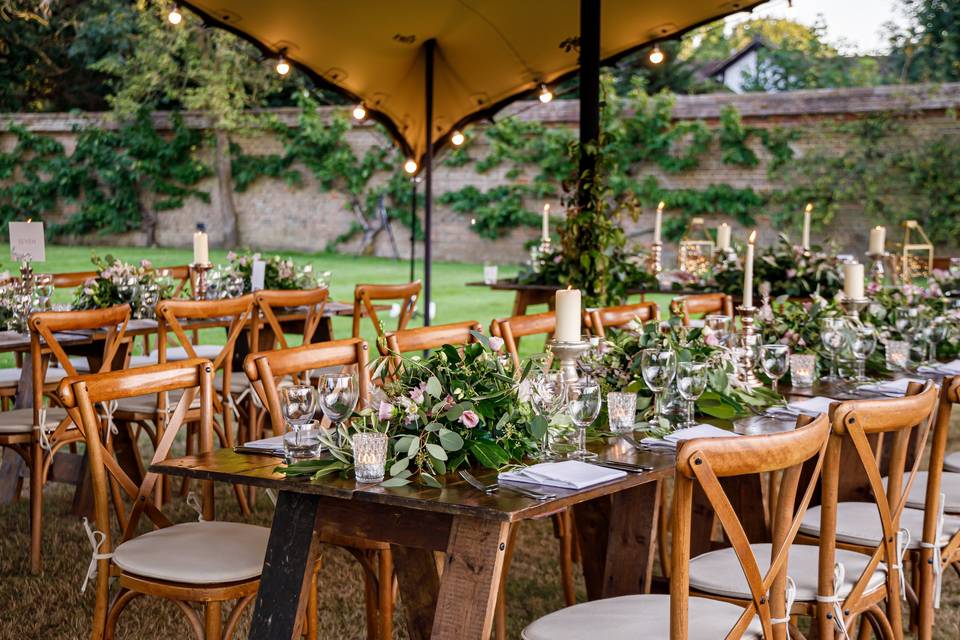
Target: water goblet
832 336
298 404
658 367
863 341
936 332
718 325
583 405
775 361
691 383
338 397
548 393
44 287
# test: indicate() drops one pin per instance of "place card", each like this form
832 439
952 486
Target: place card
258 274
27 242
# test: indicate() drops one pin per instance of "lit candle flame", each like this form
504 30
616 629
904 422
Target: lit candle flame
546 208
29 219
809 207
661 205
753 237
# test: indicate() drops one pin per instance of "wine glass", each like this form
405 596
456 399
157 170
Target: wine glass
691 383
298 404
583 405
774 360
832 337
548 393
863 341
657 368
43 285
719 325
936 332
591 360
338 397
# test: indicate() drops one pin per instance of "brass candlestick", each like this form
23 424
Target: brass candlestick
749 343
852 308
198 274
567 353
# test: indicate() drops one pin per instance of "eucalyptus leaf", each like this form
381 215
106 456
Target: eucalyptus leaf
436 451
414 447
394 482
434 388
450 440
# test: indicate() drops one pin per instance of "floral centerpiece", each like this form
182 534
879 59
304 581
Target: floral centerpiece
279 272
119 282
628 271
456 408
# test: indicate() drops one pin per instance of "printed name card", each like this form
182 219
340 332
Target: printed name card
257 275
26 241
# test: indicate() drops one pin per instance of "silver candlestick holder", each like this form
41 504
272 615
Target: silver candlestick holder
199 278
852 307
568 353
749 343
655 262
878 269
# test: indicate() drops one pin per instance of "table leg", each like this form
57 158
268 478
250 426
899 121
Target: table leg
419 585
12 467
287 568
617 535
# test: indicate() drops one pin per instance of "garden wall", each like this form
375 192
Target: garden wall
274 215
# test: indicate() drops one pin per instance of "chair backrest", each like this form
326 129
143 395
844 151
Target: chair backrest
853 423
181 276
596 320
704 462
949 396
432 337
72 279
265 369
516 327
701 303
268 301
365 295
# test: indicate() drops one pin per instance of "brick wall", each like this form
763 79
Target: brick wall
275 216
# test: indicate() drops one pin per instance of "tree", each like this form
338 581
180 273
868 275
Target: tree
928 48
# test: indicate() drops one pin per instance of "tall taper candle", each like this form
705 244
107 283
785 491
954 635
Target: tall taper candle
545 231
748 272
201 253
658 222
723 237
878 241
853 281
806 225
568 315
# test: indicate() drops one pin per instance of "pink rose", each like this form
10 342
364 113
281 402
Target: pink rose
711 339
146 264
495 343
469 419
417 395
386 410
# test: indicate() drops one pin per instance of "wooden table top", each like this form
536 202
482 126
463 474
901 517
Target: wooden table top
13 341
511 285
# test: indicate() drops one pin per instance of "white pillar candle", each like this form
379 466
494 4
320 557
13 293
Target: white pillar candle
723 237
201 253
748 272
878 240
545 230
806 225
658 223
568 315
853 281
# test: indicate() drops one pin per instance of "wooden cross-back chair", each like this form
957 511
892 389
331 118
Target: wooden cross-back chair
397 343
596 320
679 616
19 428
701 304
205 562
265 370
366 295
513 328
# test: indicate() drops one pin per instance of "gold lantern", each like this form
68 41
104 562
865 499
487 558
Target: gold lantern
696 249
916 258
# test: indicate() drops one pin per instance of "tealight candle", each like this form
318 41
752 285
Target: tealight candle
878 240
658 222
568 315
806 225
723 237
545 230
748 272
853 281
201 253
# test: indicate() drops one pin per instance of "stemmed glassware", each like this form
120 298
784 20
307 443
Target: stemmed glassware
718 325
149 298
298 404
833 337
691 383
863 341
658 367
338 397
583 405
43 286
936 332
549 394
905 321
775 362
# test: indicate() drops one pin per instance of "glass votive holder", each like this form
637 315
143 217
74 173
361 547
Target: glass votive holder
621 411
302 443
803 366
489 273
369 456
897 354
847 367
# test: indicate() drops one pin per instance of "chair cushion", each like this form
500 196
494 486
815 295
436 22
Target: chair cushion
952 462
208 351
10 376
21 420
633 617
859 523
238 382
196 553
949 487
719 573
148 404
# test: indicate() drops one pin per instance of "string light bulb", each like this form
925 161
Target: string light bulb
410 166
175 17
359 112
457 138
545 94
283 67
656 55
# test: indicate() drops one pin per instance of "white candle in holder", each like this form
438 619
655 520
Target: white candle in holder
545 231
748 272
201 253
853 281
658 222
878 241
568 315
806 225
723 237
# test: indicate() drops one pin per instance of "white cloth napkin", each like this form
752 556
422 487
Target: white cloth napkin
889 388
809 407
676 438
267 444
569 474
942 368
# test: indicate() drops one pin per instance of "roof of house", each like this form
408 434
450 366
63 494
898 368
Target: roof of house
713 68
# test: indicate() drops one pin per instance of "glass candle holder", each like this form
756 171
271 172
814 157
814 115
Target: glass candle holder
897 354
302 442
621 411
803 366
489 273
369 456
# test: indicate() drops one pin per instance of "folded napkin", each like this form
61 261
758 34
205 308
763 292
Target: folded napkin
888 388
809 407
569 474
676 438
942 368
271 446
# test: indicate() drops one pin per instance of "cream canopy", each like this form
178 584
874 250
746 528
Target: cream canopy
488 52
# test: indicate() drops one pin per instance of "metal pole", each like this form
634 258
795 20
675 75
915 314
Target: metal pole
413 229
429 47
589 94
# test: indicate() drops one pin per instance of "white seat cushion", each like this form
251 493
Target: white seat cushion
196 553
634 617
238 382
208 351
859 523
21 420
148 403
949 487
719 573
952 462
10 376
80 364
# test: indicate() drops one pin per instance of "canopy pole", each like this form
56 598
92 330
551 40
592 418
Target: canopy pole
429 47
413 228
589 94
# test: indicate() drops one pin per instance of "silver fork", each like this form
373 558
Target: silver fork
493 488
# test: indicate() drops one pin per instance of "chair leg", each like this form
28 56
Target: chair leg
312 605
36 506
385 593
500 614
564 521
212 623
370 597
